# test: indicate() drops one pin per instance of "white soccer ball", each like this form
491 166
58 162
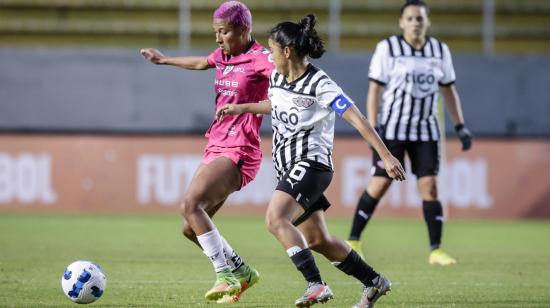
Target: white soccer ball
83 282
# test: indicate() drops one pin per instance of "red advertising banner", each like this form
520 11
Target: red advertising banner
40 173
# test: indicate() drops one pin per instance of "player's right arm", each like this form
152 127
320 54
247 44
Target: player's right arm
262 107
192 63
379 69
373 102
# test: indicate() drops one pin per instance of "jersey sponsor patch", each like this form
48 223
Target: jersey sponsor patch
302 101
340 104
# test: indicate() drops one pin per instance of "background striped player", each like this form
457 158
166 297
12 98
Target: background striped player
406 74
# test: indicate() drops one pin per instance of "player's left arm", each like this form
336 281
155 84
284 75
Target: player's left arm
452 100
262 107
352 115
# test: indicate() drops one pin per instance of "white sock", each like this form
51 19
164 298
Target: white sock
293 250
233 259
211 243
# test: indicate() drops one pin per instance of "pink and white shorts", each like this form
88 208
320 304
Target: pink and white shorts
247 159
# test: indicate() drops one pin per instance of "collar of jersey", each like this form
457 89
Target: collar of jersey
402 38
309 68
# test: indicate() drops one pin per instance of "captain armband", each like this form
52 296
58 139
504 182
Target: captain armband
340 104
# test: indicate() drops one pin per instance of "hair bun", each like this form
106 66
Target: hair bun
301 36
308 23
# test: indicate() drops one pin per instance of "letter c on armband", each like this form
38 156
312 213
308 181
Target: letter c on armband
340 104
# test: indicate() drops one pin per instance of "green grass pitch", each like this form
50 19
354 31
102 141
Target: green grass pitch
149 264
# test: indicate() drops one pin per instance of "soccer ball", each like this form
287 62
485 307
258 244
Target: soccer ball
83 282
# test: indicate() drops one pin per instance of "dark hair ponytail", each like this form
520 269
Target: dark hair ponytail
312 41
300 36
414 2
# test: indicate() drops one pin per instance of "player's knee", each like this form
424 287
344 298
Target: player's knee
428 191
318 242
378 186
188 232
270 223
431 195
273 223
188 206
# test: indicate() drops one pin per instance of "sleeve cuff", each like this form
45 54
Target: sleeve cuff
447 84
377 81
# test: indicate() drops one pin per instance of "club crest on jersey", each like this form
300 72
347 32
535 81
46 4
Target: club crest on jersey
228 69
304 102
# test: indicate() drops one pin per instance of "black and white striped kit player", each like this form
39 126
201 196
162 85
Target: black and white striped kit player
411 78
302 115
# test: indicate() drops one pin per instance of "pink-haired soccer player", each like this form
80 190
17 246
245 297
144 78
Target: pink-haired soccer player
232 156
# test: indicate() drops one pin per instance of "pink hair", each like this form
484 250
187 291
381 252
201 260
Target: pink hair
235 13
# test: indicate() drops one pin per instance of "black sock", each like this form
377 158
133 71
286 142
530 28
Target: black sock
433 215
363 213
355 266
306 264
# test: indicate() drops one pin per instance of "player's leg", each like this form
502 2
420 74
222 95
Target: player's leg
433 211
282 210
247 275
249 163
344 258
425 165
298 190
434 217
211 185
376 188
211 210
233 259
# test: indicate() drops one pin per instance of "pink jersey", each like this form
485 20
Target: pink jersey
239 79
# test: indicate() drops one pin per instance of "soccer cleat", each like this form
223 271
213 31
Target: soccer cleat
248 277
440 257
356 245
316 292
226 284
373 293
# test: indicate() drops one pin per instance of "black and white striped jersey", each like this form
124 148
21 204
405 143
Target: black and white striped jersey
301 118
408 108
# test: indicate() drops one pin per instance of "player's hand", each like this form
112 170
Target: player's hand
228 109
394 168
152 55
465 136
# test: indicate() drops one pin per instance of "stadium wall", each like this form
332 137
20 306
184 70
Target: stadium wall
117 91
110 174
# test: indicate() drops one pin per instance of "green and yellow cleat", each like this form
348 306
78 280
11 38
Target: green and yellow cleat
440 257
226 284
247 277
356 245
